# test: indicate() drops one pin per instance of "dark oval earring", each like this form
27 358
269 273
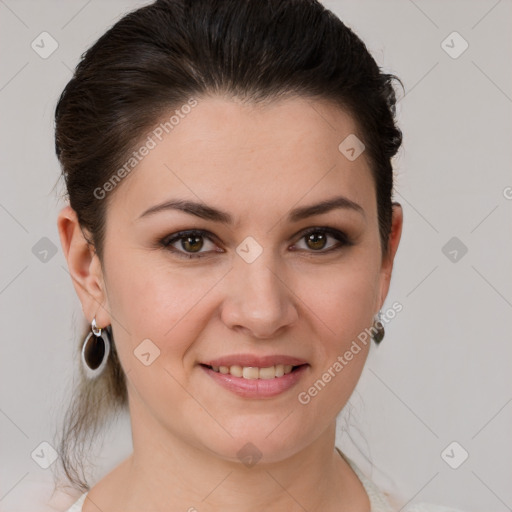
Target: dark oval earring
377 329
95 351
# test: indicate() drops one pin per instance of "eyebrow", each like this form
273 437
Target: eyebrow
209 213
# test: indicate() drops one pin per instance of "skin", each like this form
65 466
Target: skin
187 430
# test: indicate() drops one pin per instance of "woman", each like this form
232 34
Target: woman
231 235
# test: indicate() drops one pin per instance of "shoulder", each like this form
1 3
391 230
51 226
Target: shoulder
430 507
77 506
380 502
103 492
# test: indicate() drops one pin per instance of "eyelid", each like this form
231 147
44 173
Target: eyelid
336 233
188 232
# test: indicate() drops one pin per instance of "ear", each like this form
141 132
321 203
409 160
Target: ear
84 267
387 261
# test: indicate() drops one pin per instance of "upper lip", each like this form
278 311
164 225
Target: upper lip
253 360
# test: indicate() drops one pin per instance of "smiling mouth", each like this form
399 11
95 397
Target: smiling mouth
254 372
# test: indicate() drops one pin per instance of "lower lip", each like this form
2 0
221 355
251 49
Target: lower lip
257 388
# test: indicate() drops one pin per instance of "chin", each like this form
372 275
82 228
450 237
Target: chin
254 440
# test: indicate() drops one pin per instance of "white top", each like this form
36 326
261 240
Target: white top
378 501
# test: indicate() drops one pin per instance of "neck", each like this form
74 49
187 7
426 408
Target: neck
164 470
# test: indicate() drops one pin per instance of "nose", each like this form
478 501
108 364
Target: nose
259 301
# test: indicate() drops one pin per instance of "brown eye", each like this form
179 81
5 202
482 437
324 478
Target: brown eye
192 243
317 240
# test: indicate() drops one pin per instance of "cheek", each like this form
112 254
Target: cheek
157 302
341 297
168 307
340 303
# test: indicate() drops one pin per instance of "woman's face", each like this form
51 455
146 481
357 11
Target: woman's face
252 288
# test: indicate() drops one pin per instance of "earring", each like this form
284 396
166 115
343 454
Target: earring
95 351
377 329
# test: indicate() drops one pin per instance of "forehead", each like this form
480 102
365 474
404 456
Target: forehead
248 158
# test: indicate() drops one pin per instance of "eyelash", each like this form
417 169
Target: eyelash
166 242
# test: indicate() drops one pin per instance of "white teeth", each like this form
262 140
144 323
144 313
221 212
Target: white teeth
267 373
236 371
253 372
250 372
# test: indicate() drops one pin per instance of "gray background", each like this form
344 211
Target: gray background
442 374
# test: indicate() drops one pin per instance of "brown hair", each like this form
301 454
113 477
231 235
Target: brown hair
158 57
